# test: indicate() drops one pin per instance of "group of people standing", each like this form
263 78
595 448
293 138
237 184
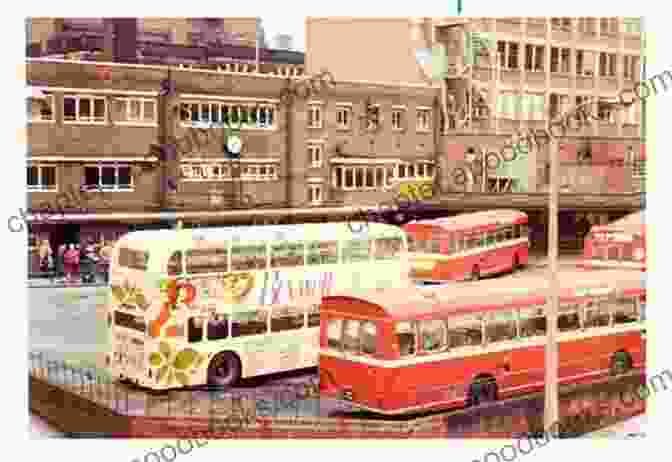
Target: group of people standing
73 261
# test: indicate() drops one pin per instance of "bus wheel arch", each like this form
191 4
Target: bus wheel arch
224 369
483 389
620 363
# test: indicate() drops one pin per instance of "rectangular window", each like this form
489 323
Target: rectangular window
138 110
568 318
314 116
424 120
322 253
133 259
315 194
555 59
406 338
218 327
501 51
500 326
315 155
388 248
596 314
624 311
531 322
433 336
283 319
248 256
351 337
41 177
372 117
564 60
343 118
199 261
334 332
110 177
579 62
84 108
513 56
249 323
465 331
287 254
356 250
380 177
397 119
370 181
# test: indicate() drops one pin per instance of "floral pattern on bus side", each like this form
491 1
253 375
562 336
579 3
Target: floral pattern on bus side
172 366
176 298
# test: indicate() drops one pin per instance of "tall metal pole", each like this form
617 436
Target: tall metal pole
551 415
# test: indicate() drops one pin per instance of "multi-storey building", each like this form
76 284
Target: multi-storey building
92 126
502 75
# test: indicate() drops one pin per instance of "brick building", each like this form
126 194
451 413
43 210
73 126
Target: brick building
92 125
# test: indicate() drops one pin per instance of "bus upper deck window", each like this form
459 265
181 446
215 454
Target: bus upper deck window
175 264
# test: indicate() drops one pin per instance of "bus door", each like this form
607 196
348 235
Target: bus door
288 331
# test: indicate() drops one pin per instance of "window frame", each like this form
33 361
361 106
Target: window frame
227 110
398 119
315 155
343 117
40 186
116 187
92 99
423 120
141 120
315 196
40 118
314 111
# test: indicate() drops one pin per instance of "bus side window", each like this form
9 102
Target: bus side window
465 332
334 331
286 320
500 327
213 260
322 253
433 336
218 327
406 338
287 254
195 329
249 323
356 250
248 257
388 248
314 316
596 314
351 337
568 318
369 338
531 322
175 264
624 311
508 233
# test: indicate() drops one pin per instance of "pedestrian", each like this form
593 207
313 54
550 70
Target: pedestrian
78 261
60 269
46 259
88 261
71 260
105 259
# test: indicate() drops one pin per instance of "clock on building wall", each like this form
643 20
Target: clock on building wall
234 145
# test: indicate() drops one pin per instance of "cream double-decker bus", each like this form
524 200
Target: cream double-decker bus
191 307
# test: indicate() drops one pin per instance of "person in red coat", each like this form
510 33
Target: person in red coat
70 261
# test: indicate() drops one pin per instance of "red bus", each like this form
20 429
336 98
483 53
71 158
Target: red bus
618 245
467 246
399 351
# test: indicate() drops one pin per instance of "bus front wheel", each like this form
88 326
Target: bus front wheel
224 370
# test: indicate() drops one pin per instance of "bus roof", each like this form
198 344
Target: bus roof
476 219
310 231
405 303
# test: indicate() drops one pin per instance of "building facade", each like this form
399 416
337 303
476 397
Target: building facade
94 128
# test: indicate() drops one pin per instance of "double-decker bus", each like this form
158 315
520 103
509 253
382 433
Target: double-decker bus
215 305
411 350
620 244
467 246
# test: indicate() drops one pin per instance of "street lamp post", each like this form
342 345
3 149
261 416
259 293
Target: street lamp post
551 352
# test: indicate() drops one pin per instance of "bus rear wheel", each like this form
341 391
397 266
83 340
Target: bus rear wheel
483 390
224 370
620 363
